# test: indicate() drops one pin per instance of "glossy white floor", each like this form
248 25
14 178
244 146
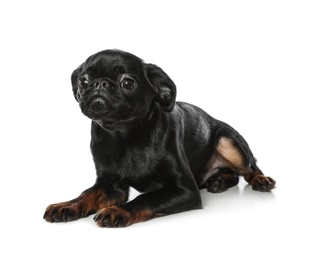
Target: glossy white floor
237 223
246 63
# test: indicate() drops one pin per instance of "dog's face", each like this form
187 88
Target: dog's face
117 89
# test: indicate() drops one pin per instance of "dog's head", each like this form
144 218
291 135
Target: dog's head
118 89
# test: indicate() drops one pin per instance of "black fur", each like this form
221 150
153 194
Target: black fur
141 138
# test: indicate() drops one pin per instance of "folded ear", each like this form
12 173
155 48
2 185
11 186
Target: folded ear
74 79
162 85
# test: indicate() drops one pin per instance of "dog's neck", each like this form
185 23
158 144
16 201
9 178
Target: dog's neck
131 129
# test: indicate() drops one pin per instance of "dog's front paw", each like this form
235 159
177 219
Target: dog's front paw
116 216
113 217
61 212
262 183
65 211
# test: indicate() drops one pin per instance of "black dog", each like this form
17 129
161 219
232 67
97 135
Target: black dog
141 138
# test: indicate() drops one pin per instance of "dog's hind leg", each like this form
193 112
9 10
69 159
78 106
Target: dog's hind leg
236 154
221 181
232 157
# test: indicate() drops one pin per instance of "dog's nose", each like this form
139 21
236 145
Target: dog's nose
100 84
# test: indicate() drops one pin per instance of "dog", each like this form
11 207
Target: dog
142 138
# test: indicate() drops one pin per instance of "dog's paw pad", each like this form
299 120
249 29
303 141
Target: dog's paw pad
215 184
262 183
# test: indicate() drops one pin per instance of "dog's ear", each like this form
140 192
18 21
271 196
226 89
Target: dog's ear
162 85
74 79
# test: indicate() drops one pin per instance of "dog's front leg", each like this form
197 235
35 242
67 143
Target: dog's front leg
172 199
102 194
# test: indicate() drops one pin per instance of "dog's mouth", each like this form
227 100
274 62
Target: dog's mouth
97 104
96 107
109 114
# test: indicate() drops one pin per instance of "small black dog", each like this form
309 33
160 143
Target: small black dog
141 138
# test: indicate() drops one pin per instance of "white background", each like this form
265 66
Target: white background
248 63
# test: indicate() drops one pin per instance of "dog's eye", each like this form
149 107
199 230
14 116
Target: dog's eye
128 84
83 82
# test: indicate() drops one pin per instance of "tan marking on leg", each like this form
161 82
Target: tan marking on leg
117 216
260 182
231 154
89 202
249 177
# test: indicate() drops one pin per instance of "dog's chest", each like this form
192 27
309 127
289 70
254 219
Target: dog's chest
128 161
135 167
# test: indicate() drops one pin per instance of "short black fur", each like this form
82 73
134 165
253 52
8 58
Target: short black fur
142 138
